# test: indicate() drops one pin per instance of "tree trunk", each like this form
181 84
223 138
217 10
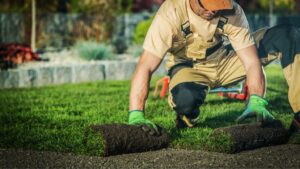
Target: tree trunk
271 13
33 25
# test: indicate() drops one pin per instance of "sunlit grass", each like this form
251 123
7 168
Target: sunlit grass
55 118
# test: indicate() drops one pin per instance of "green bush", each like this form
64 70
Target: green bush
280 6
141 30
91 50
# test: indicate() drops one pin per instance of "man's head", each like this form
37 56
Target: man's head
207 9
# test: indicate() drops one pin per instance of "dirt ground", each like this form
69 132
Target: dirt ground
282 156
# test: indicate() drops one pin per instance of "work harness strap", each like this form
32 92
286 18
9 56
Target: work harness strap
184 19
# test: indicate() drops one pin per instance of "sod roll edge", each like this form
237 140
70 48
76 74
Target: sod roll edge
114 139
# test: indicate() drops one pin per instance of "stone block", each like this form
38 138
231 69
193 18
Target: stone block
63 74
88 72
46 76
119 70
9 78
28 77
3 76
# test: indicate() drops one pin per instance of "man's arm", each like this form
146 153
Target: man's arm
141 79
256 83
254 71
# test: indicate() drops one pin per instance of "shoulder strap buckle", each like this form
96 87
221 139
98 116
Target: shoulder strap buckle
186 29
223 20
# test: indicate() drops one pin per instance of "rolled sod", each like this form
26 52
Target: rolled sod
237 138
113 139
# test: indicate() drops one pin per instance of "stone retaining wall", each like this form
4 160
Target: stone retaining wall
12 28
44 75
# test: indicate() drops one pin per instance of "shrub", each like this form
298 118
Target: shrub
120 45
91 50
280 6
141 30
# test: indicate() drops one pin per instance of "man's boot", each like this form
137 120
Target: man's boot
183 121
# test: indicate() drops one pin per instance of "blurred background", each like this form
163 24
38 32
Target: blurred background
79 31
59 24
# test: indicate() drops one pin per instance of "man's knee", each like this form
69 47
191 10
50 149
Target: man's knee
187 98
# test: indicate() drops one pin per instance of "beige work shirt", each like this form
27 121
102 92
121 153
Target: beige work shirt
165 33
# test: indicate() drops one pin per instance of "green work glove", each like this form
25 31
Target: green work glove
256 107
136 117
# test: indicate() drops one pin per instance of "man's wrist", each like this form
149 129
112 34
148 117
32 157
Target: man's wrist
135 115
135 112
256 95
258 100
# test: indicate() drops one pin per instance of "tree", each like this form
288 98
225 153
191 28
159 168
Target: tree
33 25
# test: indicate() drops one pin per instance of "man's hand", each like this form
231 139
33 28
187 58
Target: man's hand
136 117
256 107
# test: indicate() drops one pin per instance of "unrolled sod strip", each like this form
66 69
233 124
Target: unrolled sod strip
248 136
113 139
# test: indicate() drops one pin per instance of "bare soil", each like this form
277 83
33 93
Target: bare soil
282 156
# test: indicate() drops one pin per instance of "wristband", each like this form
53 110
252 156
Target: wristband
130 111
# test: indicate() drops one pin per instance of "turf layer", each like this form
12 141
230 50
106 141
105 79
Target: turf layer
55 118
249 136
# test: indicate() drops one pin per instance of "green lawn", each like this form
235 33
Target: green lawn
54 118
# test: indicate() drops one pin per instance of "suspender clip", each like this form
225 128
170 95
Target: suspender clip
186 29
